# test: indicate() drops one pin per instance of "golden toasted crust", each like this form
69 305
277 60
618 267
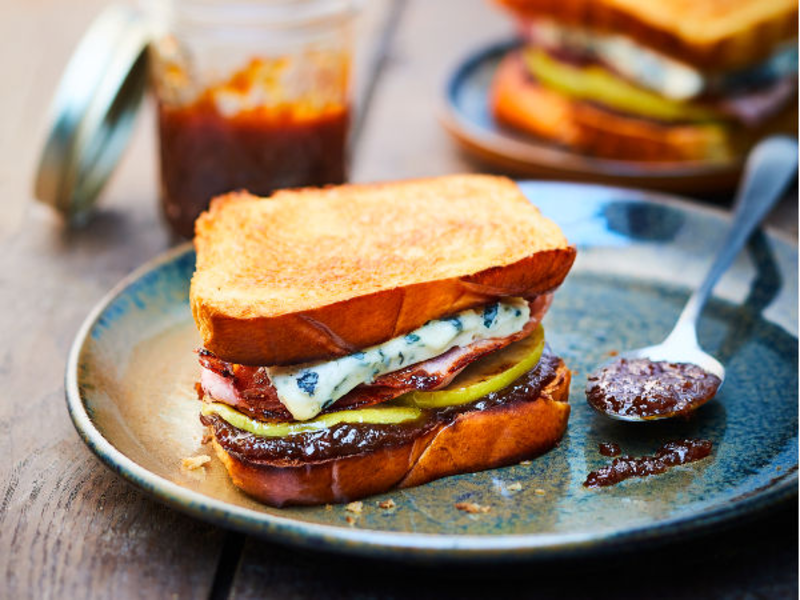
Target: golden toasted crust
312 274
473 441
521 103
713 35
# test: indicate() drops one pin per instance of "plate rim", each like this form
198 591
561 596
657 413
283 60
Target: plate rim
415 547
475 136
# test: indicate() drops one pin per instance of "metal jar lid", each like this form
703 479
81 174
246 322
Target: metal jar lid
92 114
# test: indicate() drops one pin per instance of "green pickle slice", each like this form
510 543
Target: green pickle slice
597 84
373 416
486 375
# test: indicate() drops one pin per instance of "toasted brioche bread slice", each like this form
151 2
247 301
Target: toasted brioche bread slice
473 441
713 35
317 273
521 103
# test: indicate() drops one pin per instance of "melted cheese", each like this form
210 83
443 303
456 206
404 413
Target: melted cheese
305 390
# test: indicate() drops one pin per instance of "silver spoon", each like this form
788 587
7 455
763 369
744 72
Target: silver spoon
770 167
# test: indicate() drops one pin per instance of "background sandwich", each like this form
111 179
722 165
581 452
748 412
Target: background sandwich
365 337
667 80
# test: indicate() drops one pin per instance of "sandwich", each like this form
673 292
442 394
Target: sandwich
362 338
665 81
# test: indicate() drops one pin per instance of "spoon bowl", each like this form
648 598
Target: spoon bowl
770 167
673 352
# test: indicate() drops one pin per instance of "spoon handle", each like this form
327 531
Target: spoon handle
770 167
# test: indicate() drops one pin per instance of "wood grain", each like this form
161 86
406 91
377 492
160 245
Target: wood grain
402 136
69 528
757 560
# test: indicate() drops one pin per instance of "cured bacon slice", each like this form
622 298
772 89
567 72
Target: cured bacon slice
249 389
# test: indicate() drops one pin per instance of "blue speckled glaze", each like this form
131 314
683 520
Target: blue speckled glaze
153 292
638 257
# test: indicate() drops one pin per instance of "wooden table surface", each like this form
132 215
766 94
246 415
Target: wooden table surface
69 528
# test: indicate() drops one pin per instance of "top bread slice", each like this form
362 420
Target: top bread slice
313 274
712 35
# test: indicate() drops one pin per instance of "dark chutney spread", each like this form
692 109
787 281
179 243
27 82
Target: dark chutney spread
609 449
669 455
347 438
646 389
205 152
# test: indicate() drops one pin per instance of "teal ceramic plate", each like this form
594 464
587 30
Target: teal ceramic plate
131 372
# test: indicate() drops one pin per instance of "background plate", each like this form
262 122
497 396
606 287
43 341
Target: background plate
467 117
130 393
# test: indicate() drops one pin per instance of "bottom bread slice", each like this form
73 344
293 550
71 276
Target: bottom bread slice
474 440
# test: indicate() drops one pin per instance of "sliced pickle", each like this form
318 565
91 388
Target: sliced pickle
373 416
596 84
486 375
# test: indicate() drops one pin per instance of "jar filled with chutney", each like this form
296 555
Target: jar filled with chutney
250 95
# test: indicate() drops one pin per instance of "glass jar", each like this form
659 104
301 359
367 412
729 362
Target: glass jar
252 94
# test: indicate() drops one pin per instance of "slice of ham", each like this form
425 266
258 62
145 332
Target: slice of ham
756 106
249 389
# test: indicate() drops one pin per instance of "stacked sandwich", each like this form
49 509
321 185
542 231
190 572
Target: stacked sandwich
366 337
661 80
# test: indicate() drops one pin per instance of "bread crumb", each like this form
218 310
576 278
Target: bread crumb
514 487
539 492
206 436
354 507
472 507
387 504
525 463
195 462
350 520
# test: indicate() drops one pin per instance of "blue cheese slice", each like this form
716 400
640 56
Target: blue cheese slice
647 67
307 389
